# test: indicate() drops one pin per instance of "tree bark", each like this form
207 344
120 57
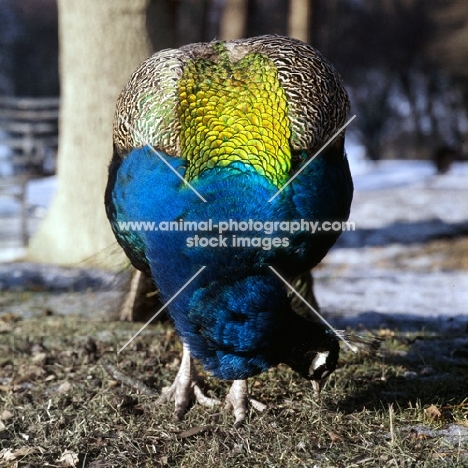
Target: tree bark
233 20
101 43
298 19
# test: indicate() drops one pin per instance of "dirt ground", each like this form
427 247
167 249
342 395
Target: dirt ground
406 406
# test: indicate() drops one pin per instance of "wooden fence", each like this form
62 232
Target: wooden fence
30 132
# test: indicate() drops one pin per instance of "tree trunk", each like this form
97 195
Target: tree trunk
101 43
233 20
298 19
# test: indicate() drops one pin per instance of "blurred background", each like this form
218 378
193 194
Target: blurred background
403 62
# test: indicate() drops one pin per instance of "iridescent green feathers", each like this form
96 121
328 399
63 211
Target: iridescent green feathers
258 100
234 111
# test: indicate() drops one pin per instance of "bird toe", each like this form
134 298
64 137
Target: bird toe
238 400
186 388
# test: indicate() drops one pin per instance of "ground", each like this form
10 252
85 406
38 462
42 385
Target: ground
405 407
402 275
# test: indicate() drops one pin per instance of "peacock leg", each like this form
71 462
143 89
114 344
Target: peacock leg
238 399
186 387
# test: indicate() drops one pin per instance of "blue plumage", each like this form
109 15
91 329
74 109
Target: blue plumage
235 316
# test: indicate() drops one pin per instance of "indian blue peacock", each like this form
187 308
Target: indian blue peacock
220 131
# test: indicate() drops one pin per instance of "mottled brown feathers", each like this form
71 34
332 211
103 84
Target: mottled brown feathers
317 102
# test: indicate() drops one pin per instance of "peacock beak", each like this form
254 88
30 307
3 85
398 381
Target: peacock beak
317 385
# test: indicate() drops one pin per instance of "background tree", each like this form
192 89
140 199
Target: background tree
402 62
101 43
9 34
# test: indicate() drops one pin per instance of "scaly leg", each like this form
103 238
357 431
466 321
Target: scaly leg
238 399
185 387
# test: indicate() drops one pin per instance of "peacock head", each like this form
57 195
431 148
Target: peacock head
314 353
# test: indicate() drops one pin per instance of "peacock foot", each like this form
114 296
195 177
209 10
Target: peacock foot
186 388
238 400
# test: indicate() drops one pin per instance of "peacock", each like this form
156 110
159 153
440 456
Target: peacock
224 134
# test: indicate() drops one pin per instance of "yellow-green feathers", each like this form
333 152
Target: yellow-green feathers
234 111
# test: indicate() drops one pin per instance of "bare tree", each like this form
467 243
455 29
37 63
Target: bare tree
404 63
101 43
449 44
448 47
233 20
298 19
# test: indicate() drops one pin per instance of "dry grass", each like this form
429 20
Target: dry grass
59 408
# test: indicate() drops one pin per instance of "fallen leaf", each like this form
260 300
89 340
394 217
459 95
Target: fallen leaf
39 358
9 317
193 431
6 454
433 412
10 455
335 437
29 373
454 453
6 415
68 458
65 387
5 327
420 436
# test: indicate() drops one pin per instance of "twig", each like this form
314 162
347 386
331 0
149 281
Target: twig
126 311
390 415
126 380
